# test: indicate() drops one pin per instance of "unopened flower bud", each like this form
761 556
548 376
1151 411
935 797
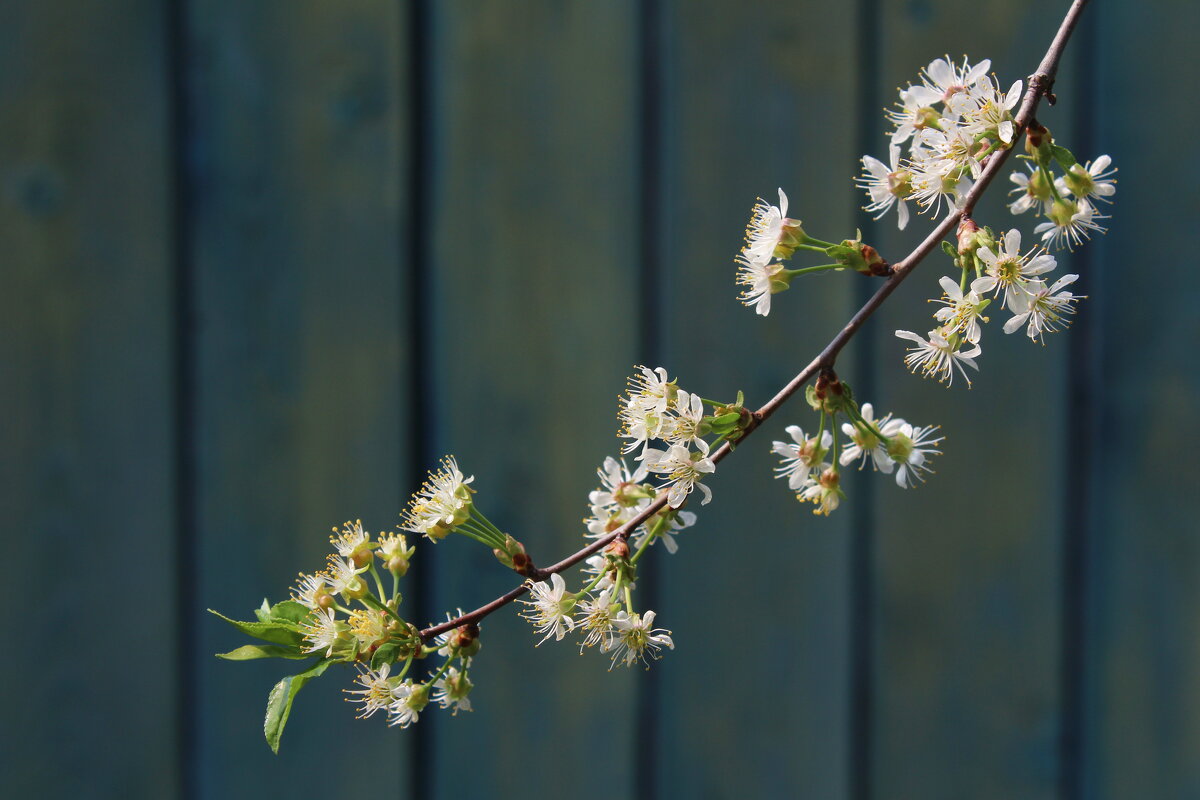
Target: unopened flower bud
618 549
1038 143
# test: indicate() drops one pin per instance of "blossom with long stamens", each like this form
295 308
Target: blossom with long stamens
636 639
1045 310
937 358
866 445
962 312
886 185
802 456
550 607
1009 272
1070 224
684 470
910 448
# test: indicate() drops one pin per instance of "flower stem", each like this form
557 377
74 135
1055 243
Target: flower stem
791 273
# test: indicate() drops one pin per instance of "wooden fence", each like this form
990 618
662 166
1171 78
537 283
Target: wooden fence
265 260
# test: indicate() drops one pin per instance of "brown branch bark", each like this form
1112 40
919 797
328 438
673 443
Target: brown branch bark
1040 85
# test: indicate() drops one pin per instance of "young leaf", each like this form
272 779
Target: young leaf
279 702
263 612
950 250
386 654
1063 156
249 652
289 611
276 632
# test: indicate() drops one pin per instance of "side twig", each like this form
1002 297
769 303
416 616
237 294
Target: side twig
1040 85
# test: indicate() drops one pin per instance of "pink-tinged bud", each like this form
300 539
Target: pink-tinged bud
966 234
618 548
829 478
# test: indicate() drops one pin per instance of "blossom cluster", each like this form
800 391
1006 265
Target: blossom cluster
344 614
812 464
654 409
952 120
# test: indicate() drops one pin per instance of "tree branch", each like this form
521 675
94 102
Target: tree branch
1040 85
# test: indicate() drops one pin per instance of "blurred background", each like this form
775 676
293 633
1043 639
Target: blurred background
265 261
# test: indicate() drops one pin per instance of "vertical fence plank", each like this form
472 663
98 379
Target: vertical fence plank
1142 708
754 699
535 266
298 168
86 430
968 626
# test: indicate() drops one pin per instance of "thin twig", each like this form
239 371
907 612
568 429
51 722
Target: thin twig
1040 84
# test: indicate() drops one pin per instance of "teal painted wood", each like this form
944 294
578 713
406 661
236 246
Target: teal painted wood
1142 712
754 699
86 471
298 124
968 625
535 275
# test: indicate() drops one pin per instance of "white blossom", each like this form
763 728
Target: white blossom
451 690
985 108
1070 224
910 448
378 692
321 630
886 185
800 457
822 491
1009 272
1033 190
1045 309
962 313
350 540
937 358
684 470
596 615
409 701
643 412
636 639
680 520
442 503
1091 181
760 279
309 589
619 498
865 444
766 229
550 608
944 80
688 414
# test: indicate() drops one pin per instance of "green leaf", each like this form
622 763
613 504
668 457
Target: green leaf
263 612
289 611
249 652
386 654
279 701
949 249
276 632
1063 156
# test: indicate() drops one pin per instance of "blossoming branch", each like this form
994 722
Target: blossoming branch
952 131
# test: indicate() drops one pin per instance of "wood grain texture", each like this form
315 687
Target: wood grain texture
968 625
1142 708
754 699
86 477
534 273
296 145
